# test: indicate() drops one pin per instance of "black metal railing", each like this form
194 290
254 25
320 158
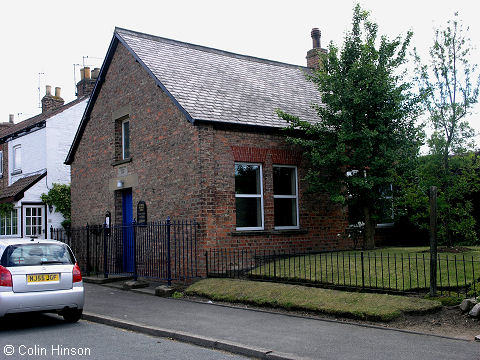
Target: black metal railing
369 270
164 250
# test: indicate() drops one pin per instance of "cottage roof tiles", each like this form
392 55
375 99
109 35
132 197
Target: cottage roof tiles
15 191
35 121
218 86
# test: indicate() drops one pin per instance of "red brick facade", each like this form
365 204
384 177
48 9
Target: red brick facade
186 170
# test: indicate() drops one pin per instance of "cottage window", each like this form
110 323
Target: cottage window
1 163
17 158
125 139
249 196
285 197
9 223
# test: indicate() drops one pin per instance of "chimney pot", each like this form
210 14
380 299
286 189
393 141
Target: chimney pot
87 72
48 90
10 118
82 74
95 73
316 34
57 92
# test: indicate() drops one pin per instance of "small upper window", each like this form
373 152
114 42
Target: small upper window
125 139
285 197
17 158
1 163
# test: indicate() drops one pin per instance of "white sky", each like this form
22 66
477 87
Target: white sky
50 36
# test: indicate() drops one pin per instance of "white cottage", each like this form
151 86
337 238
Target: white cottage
32 154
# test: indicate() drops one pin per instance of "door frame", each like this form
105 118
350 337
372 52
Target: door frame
23 222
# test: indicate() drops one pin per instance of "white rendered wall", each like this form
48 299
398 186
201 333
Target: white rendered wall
47 149
61 130
33 153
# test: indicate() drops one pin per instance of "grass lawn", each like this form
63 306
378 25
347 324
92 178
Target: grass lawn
348 304
401 269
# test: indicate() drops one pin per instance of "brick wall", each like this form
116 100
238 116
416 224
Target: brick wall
4 176
187 171
322 223
162 146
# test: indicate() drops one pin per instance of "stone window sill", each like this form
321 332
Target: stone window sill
16 172
120 162
269 232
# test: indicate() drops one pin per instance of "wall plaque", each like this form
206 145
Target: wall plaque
141 213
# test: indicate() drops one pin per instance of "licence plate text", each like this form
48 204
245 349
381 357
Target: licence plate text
42 277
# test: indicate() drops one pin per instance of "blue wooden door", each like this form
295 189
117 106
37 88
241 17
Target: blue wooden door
127 218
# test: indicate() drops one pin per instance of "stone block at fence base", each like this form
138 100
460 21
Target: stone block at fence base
467 305
164 291
132 284
475 312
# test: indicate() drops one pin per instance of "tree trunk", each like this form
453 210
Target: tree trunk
369 233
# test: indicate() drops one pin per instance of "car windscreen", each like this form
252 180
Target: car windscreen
36 254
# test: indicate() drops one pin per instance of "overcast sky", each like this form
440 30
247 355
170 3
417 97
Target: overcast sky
49 37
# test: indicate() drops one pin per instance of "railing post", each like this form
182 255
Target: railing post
206 263
433 241
169 269
135 275
105 265
363 269
88 250
51 232
274 266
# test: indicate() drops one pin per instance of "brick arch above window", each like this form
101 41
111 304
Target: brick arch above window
259 155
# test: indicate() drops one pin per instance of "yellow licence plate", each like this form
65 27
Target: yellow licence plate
42 277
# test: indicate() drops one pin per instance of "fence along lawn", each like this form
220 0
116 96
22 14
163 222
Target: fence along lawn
399 269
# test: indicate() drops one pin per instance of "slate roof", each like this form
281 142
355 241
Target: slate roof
15 191
219 86
213 85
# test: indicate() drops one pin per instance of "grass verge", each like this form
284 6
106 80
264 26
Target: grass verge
364 306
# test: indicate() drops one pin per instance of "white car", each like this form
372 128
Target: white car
40 275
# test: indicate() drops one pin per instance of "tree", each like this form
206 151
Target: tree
448 94
59 196
366 133
455 202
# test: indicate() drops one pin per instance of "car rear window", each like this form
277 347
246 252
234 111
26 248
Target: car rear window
36 254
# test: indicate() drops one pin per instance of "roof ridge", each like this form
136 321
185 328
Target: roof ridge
119 30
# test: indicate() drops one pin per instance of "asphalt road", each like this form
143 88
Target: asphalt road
43 336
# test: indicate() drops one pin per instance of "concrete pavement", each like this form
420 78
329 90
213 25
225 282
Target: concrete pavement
263 334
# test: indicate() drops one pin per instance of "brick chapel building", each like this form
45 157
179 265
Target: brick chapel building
193 132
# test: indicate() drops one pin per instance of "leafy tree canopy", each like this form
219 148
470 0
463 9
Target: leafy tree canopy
366 133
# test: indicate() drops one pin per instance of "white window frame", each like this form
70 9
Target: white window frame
42 218
253 196
288 197
16 166
1 163
11 225
123 139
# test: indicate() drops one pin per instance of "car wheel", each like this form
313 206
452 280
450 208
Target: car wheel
72 315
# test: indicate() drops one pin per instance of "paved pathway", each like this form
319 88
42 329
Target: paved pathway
264 334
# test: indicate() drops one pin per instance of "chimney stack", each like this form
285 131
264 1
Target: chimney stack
50 102
4 125
313 57
87 81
